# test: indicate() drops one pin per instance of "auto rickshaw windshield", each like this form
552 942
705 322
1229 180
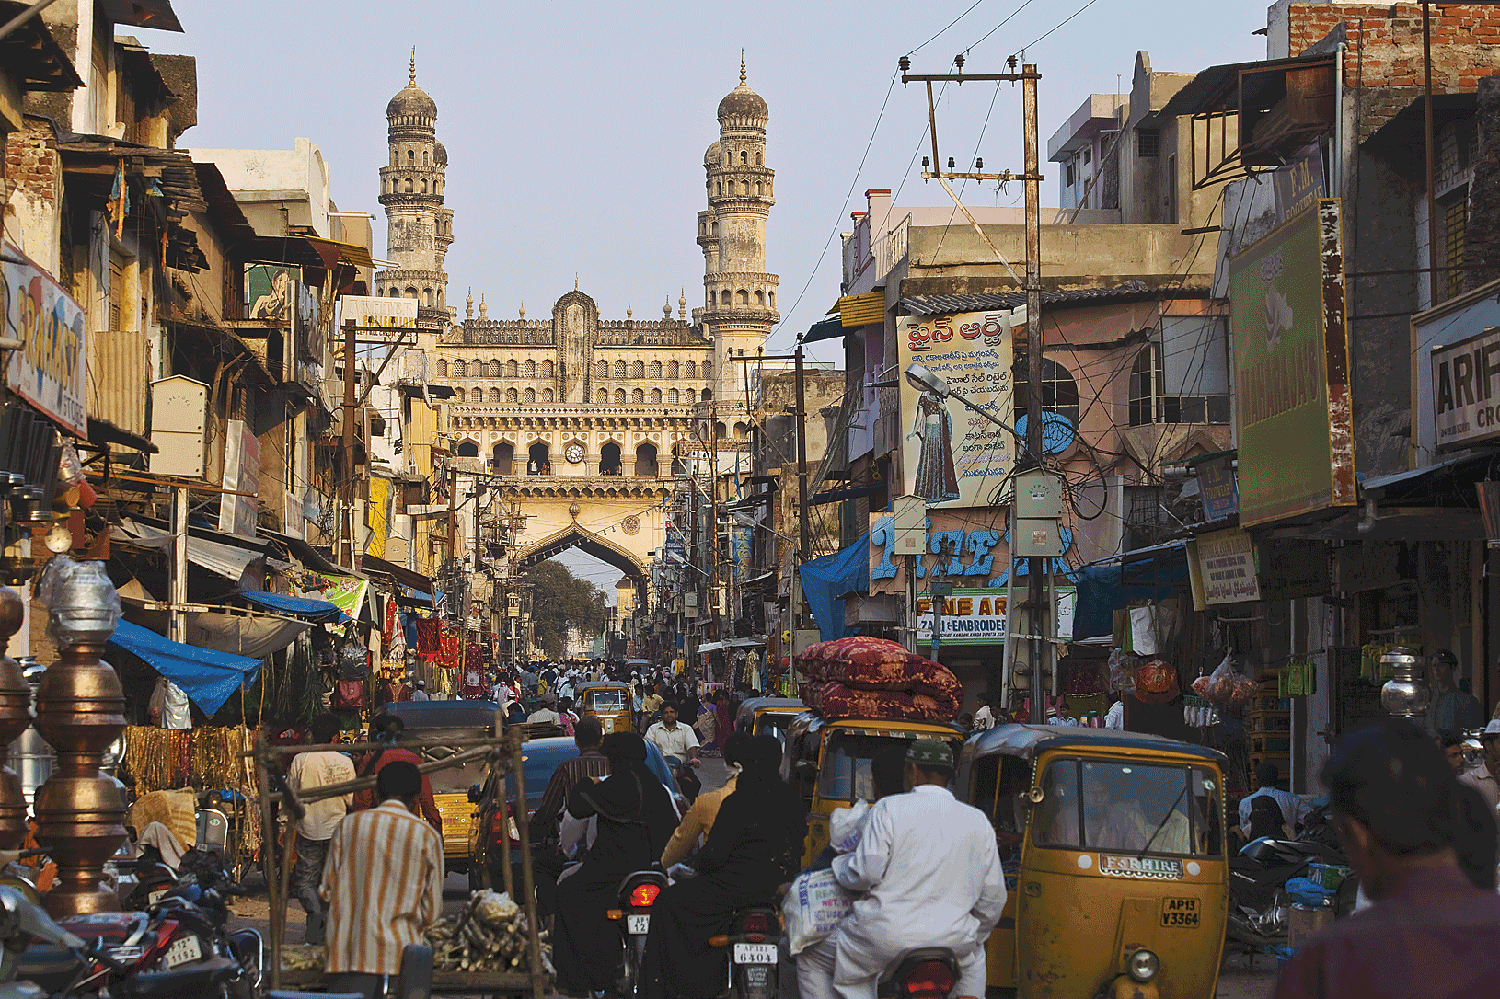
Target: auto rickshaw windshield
611 699
847 771
1129 807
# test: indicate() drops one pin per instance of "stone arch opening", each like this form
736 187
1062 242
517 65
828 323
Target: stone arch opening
467 449
538 459
609 458
645 459
504 458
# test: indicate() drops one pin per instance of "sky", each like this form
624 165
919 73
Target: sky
575 131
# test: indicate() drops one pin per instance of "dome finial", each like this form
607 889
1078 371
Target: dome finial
469 311
682 305
411 80
742 66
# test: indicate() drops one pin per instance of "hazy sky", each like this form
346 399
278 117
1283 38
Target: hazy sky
576 131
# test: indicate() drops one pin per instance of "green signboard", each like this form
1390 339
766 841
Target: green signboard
1286 327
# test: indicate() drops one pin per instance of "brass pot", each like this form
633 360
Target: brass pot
80 708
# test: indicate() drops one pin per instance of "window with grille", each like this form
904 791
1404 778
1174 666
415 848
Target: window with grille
1455 228
1147 142
1059 392
1143 517
1145 387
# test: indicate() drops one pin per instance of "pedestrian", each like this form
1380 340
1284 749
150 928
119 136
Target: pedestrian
420 692
1482 777
1291 809
386 730
308 771
1428 930
1452 709
383 884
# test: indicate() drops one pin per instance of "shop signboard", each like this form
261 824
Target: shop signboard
953 457
379 320
50 370
1290 354
1222 565
1221 495
977 617
1466 390
377 515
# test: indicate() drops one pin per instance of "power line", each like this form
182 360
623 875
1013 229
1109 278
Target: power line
999 26
1050 30
951 23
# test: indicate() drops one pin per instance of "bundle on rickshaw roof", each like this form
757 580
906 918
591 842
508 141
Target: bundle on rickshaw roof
864 677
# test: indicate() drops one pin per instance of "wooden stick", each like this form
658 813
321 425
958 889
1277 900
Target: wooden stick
357 747
362 783
528 879
268 857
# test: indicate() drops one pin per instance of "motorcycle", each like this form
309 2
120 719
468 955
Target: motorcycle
754 956
638 893
686 777
920 973
1258 900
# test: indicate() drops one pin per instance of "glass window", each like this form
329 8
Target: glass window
606 700
845 774
1128 807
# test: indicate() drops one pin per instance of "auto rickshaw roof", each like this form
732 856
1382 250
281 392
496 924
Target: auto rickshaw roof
1025 741
443 714
600 685
780 705
811 721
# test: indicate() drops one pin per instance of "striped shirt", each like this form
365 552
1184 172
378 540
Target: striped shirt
384 886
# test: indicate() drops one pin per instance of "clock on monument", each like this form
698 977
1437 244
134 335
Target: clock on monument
574 452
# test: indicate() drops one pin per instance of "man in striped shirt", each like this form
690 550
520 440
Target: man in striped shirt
383 883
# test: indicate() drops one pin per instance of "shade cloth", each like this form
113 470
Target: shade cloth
316 611
207 677
237 634
825 578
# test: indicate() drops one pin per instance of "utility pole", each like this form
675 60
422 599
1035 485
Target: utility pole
347 547
177 616
804 518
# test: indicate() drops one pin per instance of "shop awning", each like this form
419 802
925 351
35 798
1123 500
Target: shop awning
400 573
206 676
862 310
316 611
407 595
1110 584
229 561
827 329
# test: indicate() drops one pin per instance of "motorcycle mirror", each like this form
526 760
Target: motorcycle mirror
1030 796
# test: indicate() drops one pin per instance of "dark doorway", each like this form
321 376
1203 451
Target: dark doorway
645 459
505 458
538 462
609 459
468 449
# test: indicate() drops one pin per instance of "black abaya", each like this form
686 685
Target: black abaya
752 849
635 820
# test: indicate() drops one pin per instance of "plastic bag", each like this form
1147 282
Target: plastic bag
1122 672
845 826
812 908
1227 687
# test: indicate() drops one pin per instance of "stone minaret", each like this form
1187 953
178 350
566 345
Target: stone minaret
740 296
419 229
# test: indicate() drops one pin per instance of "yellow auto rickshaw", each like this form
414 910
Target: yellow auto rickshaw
768 716
829 763
1113 845
607 701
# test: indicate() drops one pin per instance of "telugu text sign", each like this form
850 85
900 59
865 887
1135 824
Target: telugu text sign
951 455
50 370
379 320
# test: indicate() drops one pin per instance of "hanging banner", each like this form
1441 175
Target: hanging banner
240 514
952 456
347 593
379 320
977 617
377 515
50 371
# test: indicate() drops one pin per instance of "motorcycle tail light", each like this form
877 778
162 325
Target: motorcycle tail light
643 896
929 980
755 926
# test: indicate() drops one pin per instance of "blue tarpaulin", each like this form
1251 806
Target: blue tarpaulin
827 577
1104 589
412 595
206 676
316 611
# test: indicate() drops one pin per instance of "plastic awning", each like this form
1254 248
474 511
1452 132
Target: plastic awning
825 579
407 595
827 329
316 611
206 676
229 561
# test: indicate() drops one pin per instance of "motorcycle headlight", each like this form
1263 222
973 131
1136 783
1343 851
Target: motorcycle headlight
1143 965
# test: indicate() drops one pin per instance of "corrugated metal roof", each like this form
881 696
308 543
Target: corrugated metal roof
1132 291
228 561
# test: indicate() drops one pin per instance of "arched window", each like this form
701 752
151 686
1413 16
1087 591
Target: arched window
673 396
708 369
741 431
460 394
411 293
395 293
692 369
495 395
411 157
742 297
530 395
505 457
547 369
760 298
609 459
442 368
719 431
603 369
645 459
672 369
656 395
759 189
619 397
424 157
1146 387
538 461
511 396
718 188
510 367
655 369
638 369
546 395
494 368
724 297
760 159
708 394
477 395
692 396
468 449
637 396
602 397
408 185
427 296
424 185
745 158
619 369
458 369
1059 392
530 369
771 297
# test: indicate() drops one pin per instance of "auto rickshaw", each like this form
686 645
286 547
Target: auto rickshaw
829 763
1113 845
607 701
462 720
768 716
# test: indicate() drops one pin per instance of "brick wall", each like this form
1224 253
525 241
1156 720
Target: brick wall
31 161
1386 48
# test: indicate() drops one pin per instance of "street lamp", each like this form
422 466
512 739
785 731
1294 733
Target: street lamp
919 377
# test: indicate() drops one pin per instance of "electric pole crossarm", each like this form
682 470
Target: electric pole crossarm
1025 74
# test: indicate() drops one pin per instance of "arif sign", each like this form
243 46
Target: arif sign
1466 389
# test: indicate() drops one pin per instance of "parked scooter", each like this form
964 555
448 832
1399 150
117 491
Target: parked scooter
920 973
638 893
1258 874
753 953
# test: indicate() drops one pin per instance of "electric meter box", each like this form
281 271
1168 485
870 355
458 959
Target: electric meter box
1037 538
1039 496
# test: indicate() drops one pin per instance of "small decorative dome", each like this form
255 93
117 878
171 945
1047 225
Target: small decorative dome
742 105
439 154
711 157
411 100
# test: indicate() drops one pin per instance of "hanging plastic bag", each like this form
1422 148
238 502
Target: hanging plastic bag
1227 687
846 825
812 908
1122 672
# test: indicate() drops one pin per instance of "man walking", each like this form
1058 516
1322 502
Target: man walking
1482 777
308 771
383 883
931 873
1452 710
1429 931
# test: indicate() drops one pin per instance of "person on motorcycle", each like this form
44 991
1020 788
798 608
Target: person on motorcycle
700 817
751 850
671 738
1293 808
635 820
930 870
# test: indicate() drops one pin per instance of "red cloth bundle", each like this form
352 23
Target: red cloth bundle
835 700
858 650
922 676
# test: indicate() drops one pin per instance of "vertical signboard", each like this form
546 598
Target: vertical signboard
50 370
952 456
240 514
1287 331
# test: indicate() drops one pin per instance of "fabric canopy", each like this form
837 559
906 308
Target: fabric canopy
411 596
206 676
1104 589
824 579
256 637
316 611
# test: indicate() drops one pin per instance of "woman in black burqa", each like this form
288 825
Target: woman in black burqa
635 820
754 847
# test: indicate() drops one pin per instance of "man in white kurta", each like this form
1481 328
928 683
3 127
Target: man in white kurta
930 870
